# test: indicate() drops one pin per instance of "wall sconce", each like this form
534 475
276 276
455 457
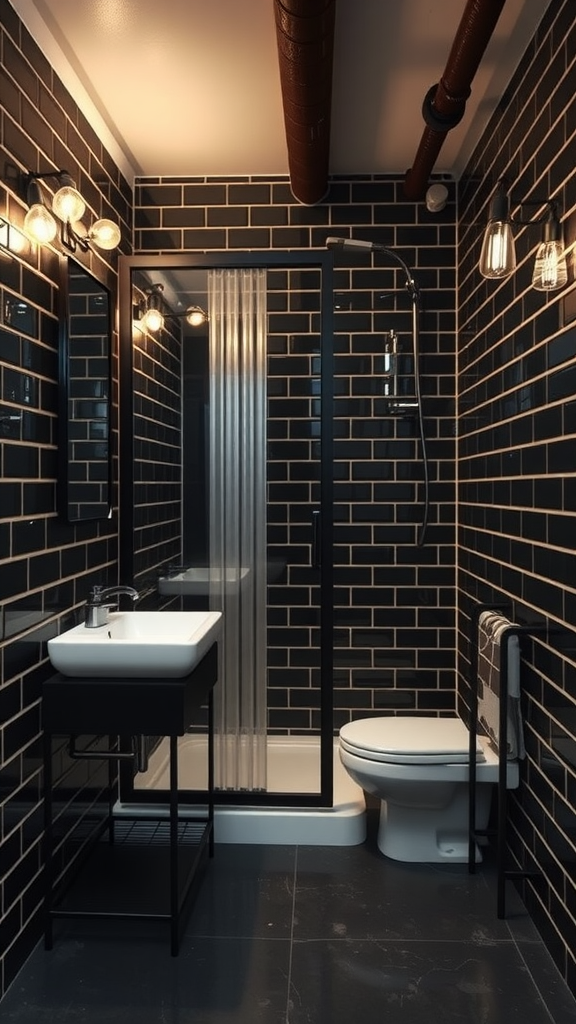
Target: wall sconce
69 207
12 241
152 319
498 255
550 269
195 316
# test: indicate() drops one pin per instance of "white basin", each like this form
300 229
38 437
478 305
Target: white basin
202 580
138 645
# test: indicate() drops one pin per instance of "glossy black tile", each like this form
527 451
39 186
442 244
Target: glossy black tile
11 498
20 461
290 934
104 978
411 982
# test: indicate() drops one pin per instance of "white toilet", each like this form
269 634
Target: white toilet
418 768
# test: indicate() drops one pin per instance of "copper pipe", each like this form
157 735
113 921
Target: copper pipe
445 103
305 39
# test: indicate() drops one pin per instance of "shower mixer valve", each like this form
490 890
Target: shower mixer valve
390 364
398 404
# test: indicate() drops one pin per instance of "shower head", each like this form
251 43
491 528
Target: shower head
349 243
353 243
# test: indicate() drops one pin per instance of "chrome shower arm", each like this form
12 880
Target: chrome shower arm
411 283
353 243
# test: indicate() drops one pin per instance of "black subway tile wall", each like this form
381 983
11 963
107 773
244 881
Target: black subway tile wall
508 448
157 445
293 483
516 462
394 601
47 565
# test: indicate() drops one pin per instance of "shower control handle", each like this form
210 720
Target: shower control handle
390 386
316 559
403 407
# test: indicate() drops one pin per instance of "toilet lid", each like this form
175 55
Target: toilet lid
406 740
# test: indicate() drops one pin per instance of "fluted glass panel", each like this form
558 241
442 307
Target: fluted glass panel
237 307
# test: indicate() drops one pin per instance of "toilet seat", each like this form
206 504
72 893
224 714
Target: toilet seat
407 740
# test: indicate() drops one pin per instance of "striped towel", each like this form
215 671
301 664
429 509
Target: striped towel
490 628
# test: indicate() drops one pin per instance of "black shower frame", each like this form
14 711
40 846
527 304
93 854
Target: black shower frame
277 259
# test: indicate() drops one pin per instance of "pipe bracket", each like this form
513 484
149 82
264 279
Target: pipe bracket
441 122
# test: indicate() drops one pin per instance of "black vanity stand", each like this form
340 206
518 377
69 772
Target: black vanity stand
129 707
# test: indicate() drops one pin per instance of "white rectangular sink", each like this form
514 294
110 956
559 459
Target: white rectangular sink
136 645
203 580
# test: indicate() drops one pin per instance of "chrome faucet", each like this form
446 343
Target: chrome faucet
98 604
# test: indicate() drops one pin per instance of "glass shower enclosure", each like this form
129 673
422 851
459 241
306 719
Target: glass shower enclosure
226 481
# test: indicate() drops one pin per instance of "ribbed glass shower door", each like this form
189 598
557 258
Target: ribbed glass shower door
237 521
267 499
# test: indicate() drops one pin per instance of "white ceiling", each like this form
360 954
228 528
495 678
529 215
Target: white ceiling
191 87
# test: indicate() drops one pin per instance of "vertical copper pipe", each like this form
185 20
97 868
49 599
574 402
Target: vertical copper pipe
445 104
305 39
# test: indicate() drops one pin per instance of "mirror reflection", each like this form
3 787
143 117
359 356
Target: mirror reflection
85 352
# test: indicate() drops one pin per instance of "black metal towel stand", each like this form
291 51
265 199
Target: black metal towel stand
503 874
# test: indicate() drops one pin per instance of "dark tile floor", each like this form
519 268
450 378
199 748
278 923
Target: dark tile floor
305 935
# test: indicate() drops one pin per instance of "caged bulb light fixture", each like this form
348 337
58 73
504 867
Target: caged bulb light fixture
550 269
498 254
42 224
153 317
195 316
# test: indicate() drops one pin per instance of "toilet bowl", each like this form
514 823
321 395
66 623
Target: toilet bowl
418 769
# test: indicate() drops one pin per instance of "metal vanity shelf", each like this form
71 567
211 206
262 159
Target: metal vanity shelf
172 850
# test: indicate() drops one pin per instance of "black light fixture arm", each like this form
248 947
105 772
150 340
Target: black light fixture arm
71 240
68 208
154 302
548 217
498 256
155 290
69 237
62 176
502 203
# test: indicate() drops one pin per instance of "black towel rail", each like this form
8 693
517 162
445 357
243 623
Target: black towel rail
503 873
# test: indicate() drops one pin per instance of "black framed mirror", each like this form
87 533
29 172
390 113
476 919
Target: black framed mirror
85 462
